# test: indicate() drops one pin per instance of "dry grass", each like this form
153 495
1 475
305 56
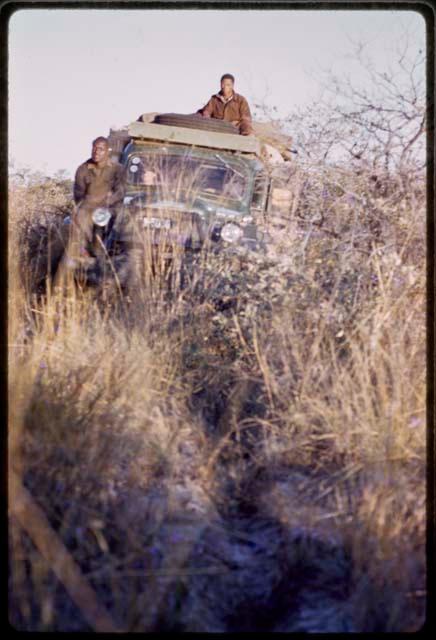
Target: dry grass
131 414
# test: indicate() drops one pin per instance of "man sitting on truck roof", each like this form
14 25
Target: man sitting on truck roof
229 105
99 182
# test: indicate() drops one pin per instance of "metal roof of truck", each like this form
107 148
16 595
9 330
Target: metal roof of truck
195 137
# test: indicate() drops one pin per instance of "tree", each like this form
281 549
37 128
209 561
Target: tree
375 119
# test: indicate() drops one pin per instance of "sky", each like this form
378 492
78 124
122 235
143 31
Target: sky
74 73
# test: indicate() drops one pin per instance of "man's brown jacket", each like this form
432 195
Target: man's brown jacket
99 186
234 110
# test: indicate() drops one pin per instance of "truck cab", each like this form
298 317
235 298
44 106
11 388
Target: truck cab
190 187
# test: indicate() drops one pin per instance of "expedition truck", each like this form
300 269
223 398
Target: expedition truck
191 183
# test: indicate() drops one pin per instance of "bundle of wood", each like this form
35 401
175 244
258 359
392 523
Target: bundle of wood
273 140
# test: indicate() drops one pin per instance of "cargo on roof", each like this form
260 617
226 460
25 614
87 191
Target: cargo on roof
195 137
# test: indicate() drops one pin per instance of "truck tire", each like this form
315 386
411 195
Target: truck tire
196 121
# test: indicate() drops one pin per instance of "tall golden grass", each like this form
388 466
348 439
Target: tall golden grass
311 357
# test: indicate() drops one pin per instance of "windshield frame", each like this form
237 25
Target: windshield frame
208 157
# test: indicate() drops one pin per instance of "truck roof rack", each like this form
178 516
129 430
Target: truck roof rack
194 137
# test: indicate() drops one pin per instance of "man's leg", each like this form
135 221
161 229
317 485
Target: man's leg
81 234
76 250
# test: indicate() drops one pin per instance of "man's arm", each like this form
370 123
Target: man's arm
246 127
207 110
118 189
79 189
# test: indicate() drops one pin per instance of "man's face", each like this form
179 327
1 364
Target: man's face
100 151
227 87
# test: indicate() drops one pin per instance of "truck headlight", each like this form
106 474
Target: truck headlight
101 216
231 232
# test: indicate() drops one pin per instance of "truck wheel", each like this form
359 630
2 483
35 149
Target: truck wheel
196 121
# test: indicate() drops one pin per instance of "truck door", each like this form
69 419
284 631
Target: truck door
280 202
259 198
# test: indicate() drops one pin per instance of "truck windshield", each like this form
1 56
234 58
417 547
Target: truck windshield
181 177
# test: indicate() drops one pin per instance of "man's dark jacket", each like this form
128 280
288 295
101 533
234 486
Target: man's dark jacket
234 110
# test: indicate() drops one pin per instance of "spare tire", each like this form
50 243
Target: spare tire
196 121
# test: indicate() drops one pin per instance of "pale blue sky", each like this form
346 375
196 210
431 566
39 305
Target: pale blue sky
75 73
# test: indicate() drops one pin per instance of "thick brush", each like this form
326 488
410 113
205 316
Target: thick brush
244 452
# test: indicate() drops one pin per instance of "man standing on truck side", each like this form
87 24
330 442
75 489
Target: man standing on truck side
99 182
229 105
